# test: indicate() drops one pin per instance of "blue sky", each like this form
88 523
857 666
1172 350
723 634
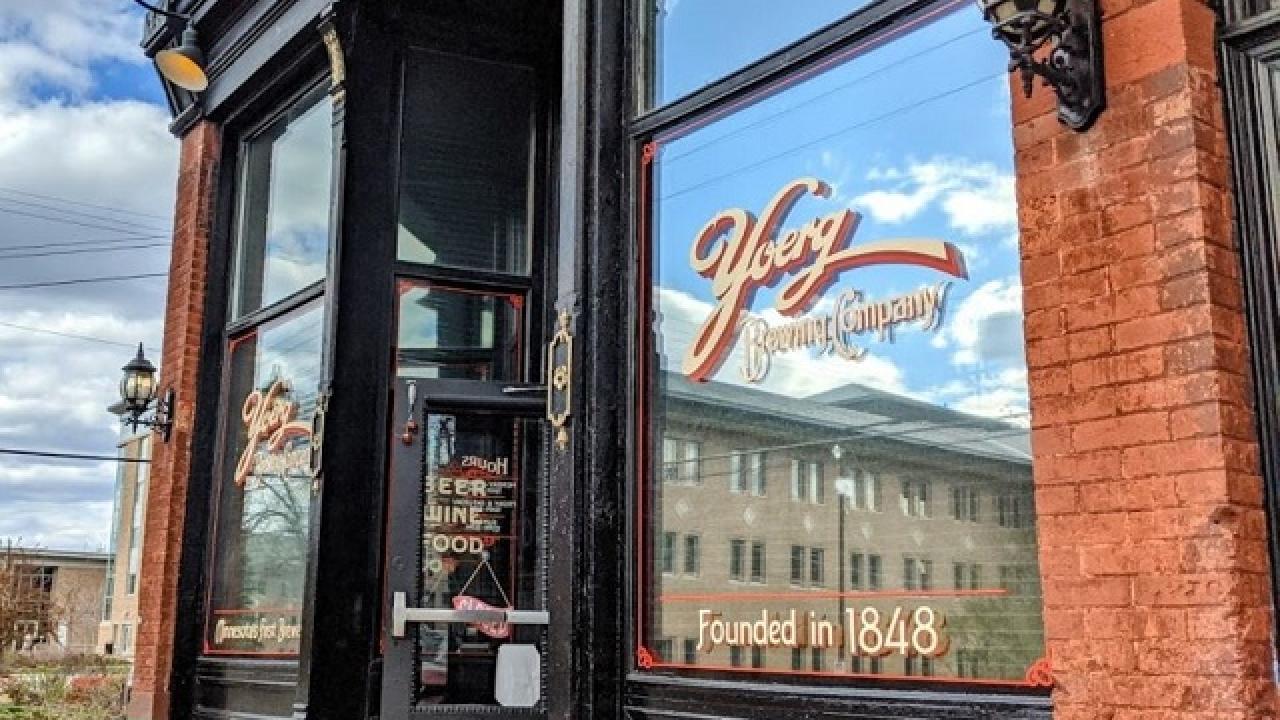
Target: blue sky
913 135
84 146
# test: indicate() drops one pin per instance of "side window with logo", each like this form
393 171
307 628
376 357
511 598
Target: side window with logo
836 312
272 374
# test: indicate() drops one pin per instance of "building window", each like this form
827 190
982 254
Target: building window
1012 511
668 553
779 344
274 367
874 574
866 491
797 659
965 500
757 562
735 656
915 498
691 651
817 567
756 470
682 461
737 474
737 559
692 558
666 649
817 659
966 576
757 656
797 564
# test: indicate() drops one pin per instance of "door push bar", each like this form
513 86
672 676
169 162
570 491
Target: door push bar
401 615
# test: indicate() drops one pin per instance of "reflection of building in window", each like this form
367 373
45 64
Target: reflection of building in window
965 503
917 573
817 567
755 469
692 554
691 650
797 564
866 491
749 438
918 666
737 559
797 659
757 657
807 482
757 562
817 659
1013 511
966 576
667 553
735 656
666 649
915 498
681 461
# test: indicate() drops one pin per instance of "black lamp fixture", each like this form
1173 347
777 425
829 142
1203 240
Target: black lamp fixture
1072 64
183 65
138 390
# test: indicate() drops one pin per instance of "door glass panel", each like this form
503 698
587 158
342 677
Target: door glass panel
449 333
481 519
466 163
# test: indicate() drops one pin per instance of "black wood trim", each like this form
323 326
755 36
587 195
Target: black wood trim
1254 137
278 309
763 75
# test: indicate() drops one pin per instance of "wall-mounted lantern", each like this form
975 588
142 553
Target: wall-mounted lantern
183 65
1060 41
138 391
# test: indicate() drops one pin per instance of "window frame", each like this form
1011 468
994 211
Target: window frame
760 79
235 329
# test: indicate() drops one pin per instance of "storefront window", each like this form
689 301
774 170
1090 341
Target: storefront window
837 328
450 333
283 237
273 370
466 163
695 42
265 496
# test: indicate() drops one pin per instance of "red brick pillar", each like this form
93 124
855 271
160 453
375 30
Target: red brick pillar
1152 529
170 463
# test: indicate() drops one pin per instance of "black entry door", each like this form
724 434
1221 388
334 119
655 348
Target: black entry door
465 619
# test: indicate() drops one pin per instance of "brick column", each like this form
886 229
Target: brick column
170 462
1152 529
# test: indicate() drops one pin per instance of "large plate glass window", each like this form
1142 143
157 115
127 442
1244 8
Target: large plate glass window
272 373
691 43
838 482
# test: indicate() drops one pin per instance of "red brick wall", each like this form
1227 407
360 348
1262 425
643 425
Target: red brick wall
170 463
1152 530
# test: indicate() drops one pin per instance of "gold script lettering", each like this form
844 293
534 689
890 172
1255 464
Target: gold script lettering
740 255
268 417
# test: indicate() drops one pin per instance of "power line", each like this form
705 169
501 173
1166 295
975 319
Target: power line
73 213
68 201
80 281
73 336
71 221
834 134
82 251
78 243
70 456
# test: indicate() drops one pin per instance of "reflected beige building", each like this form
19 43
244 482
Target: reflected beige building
853 498
118 629
59 594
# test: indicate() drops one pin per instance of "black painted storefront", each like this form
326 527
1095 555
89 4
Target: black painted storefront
588 145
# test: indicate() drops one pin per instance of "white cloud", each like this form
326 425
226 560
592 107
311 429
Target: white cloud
64 138
986 327
977 198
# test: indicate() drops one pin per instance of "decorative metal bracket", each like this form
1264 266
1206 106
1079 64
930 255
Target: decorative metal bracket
1073 64
560 387
316 455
